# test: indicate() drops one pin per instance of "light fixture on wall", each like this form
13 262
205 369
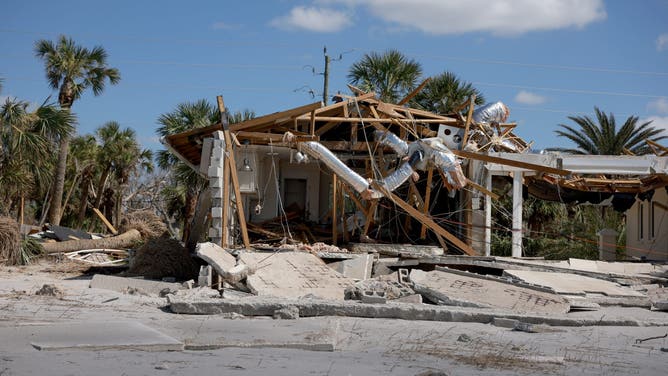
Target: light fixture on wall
246 166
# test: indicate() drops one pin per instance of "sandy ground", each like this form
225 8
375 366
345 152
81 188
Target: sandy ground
361 346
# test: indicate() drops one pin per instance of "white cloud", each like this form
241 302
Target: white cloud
526 97
322 20
662 42
658 122
499 17
659 106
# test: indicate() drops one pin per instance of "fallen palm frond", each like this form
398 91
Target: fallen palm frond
148 224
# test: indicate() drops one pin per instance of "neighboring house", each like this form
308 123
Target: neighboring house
647 227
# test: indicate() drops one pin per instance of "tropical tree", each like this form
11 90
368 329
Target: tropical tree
84 151
602 137
26 138
181 197
119 156
71 69
391 74
444 93
182 194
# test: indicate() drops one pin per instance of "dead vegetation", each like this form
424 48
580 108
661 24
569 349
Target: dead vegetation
13 249
163 257
148 224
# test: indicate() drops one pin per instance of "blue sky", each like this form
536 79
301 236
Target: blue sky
545 59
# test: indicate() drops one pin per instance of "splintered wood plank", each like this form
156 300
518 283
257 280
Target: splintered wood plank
433 226
469 118
232 167
414 92
105 221
276 117
427 197
481 189
369 216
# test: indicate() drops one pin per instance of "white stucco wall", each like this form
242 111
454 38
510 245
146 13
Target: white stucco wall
653 247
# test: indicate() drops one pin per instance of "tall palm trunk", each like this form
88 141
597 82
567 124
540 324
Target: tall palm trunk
83 204
189 212
55 212
100 187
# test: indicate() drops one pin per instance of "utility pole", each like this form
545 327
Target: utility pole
326 80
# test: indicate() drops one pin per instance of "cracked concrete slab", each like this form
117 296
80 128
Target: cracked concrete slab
95 336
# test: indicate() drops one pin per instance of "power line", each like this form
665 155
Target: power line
548 66
575 91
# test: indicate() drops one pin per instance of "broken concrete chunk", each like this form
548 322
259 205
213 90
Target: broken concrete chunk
293 275
389 289
660 305
205 278
373 297
235 294
414 299
221 260
357 268
573 284
287 313
446 288
128 285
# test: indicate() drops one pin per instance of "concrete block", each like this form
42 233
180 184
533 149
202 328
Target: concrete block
357 268
205 276
217 212
404 276
122 284
373 297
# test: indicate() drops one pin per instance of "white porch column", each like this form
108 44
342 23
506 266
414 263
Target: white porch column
488 215
517 214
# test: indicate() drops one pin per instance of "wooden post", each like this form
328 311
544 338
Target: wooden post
427 196
232 171
105 221
433 226
343 213
335 233
469 118
369 216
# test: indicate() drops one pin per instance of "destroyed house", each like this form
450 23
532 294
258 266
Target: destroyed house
362 170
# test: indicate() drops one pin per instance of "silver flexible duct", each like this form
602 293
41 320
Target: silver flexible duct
318 151
390 139
491 112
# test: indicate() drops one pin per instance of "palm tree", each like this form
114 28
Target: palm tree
603 138
445 92
25 141
182 197
119 156
71 69
84 150
391 74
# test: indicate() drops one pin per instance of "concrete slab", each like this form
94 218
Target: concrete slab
293 275
405 250
573 284
101 336
356 268
447 288
123 284
221 260
266 306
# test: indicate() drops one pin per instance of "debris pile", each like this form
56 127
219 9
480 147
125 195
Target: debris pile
10 241
163 257
500 286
